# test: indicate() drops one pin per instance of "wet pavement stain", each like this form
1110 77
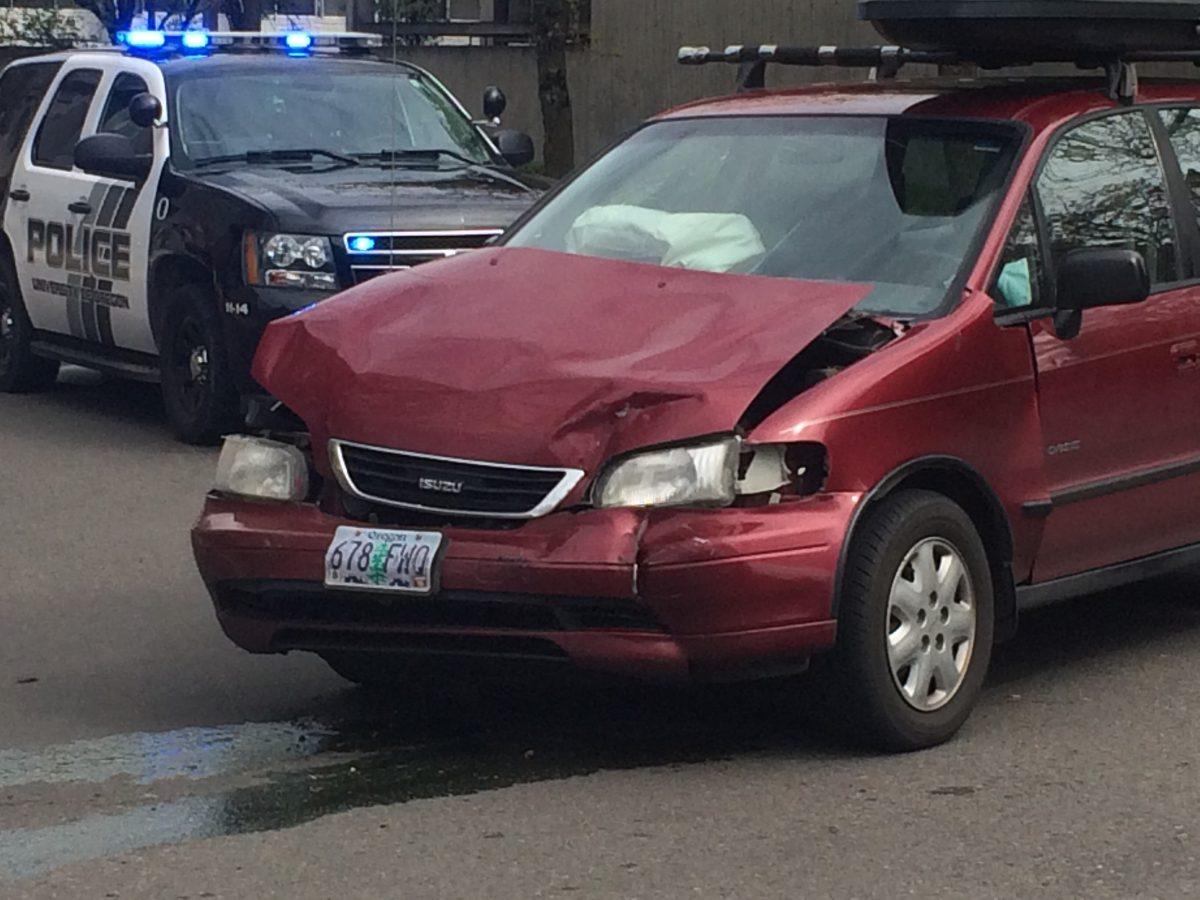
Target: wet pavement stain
257 777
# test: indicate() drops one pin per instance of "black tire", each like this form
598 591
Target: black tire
20 370
869 695
198 388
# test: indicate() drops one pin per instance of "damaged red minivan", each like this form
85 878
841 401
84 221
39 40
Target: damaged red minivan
842 372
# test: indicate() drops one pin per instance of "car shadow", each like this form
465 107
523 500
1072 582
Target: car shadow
86 392
615 725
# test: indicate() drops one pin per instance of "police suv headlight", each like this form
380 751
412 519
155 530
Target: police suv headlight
701 474
290 260
261 469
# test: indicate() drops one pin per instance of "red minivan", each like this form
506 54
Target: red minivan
852 373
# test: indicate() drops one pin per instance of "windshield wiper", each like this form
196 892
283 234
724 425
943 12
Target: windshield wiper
436 153
278 156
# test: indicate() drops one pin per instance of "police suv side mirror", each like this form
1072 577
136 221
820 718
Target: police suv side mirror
144 110
112 156
494 104
515 146
1094 277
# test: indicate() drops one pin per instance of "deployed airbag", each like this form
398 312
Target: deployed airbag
704 242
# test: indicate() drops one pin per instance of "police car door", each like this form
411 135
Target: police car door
82 241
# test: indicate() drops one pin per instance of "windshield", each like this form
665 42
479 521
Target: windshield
348 113
894 203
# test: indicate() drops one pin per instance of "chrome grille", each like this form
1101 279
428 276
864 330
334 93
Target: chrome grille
441 484
391 251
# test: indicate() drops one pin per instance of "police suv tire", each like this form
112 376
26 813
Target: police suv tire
199 394
866 691
20 370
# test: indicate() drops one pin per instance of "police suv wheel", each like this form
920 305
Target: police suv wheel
197 385
915 623
20 370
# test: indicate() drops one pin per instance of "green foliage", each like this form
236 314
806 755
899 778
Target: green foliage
38 28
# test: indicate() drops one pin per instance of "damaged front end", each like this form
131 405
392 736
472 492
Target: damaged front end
592 481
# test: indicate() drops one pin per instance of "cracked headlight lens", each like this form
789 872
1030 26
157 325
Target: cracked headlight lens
701 474
266 470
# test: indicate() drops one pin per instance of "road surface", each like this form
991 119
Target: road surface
141 755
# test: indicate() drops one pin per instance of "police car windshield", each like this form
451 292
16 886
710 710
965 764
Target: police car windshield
267 116
893 203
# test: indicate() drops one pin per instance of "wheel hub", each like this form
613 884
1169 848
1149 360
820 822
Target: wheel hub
198 364
930 624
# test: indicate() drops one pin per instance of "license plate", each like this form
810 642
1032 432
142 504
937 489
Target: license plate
372 559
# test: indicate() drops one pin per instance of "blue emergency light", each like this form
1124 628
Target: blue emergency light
362 244
143 39
195 40
298 40
156 43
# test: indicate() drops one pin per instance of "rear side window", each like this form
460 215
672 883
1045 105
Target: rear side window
115 118
54 146
1103 186
1183 125
21 91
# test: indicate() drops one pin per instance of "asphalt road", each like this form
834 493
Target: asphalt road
143 756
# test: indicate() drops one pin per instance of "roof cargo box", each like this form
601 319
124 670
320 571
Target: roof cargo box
1019 31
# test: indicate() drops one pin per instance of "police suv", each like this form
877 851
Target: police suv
161 203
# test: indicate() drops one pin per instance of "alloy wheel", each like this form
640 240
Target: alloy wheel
931 624
191 362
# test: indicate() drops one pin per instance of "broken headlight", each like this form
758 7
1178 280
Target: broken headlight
261 469
702 474
716 472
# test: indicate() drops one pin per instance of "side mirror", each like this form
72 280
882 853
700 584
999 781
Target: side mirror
144 110
515 146
494 103
1095 277
112 156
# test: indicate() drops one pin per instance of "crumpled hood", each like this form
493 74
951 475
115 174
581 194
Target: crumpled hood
540 358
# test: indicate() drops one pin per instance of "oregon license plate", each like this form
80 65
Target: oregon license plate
379 560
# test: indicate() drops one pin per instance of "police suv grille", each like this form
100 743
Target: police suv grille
391 251
454 486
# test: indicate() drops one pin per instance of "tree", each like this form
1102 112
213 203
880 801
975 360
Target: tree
38 28
557 24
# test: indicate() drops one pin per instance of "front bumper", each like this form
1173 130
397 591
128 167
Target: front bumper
665 595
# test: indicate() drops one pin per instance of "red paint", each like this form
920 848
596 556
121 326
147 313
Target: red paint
530 357
537 358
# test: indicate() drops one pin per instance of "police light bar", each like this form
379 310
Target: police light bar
166 43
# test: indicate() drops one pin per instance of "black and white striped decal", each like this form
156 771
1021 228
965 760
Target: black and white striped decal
111 204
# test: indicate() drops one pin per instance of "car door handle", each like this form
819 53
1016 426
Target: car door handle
80 206
20 195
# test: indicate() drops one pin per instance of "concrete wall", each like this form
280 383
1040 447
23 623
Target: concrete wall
630 72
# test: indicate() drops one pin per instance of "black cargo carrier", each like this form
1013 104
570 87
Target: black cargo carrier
1001 32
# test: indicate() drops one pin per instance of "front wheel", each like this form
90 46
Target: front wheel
20 370
197 385
916 622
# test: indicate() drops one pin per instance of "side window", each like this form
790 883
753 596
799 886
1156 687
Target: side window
1183 125
115 118
1021 271
59 132
21 90
1103 186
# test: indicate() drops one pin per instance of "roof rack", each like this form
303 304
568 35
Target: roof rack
887 61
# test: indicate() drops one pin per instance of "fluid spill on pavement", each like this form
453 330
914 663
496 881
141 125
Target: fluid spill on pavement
188 753
262 777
